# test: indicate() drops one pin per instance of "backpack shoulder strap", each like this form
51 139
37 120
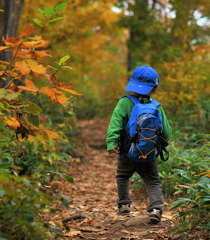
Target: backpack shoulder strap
155 103
133 98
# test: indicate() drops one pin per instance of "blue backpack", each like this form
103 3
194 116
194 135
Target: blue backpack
142 140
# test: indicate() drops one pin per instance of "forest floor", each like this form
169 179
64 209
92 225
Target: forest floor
92 198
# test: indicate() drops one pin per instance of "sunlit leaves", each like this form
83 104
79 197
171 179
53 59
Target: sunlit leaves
23 67
60 7
38 22
49 12
12 122
63 59
35 67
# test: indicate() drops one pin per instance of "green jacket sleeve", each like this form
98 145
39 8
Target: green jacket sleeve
167 131
118 122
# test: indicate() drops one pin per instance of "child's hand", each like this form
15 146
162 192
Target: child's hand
113 151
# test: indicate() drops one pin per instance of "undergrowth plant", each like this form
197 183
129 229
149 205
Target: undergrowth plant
29 157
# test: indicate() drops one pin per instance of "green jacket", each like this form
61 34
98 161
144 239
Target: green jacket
120 118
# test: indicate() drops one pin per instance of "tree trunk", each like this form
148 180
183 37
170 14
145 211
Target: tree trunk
9 22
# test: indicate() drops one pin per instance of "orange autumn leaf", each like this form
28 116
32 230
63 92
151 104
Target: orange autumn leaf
30 44
12 122
4 63
62 99
13 42
70 91
29 86
3 48
53 79
35 67
54 94
27 30
36 42
23 67
41 54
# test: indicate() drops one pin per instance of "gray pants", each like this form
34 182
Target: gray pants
149 174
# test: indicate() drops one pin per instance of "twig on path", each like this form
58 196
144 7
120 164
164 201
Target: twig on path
74 217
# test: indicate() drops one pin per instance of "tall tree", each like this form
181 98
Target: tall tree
9 18
147 35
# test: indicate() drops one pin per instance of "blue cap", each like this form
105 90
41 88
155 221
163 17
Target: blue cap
143 80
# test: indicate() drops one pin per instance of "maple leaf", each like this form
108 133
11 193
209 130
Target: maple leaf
23 67
27 30
35 67
54 94
13 42
29 86
62 99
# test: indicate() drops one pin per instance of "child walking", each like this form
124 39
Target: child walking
143 83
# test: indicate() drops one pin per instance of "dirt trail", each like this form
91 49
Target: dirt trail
92 198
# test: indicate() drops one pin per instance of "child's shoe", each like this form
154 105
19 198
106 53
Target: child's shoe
123 209
155 216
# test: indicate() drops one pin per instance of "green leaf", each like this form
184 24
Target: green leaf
34 119
3 108
56 19
12 96
3 92
69 178
5 165
8 95
63 59
60 7
205 226
38 22
56 230
41 11
32 108
66 67
205 201
182 201
49 11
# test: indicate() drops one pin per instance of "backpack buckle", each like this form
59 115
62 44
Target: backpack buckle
143 156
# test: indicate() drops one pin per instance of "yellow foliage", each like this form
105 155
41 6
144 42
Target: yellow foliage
11 122
35 67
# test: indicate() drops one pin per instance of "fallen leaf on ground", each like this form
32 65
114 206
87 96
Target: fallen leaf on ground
73 233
